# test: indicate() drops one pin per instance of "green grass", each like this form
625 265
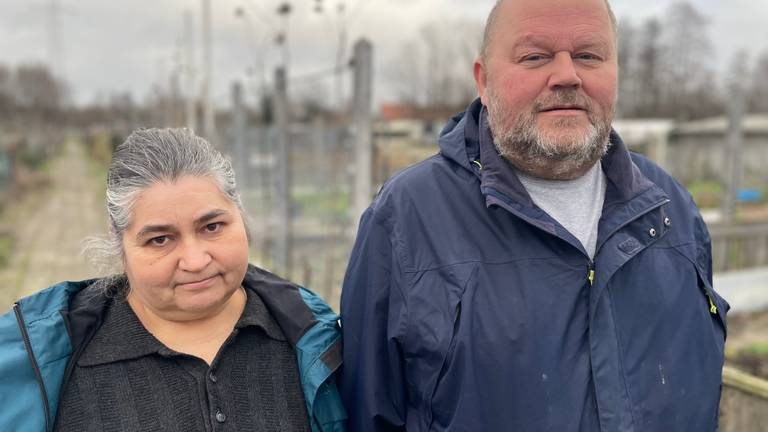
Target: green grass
6 249
327 205
322 204
706 193
759 349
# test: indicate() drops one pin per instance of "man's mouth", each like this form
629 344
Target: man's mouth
563 108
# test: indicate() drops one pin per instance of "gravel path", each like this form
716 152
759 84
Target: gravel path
50 224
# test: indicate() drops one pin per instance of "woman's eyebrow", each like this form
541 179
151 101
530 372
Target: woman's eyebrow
213 214
151 229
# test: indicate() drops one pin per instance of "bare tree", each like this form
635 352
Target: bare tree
436 69
405 74
649 64
628 98
687 63
6 92
37 89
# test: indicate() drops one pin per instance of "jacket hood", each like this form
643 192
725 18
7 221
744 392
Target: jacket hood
460 138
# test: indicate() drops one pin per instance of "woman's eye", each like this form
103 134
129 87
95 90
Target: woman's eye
213 227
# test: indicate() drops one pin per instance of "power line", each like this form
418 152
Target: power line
262 15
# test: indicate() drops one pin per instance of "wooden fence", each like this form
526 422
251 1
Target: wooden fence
744 403
740 246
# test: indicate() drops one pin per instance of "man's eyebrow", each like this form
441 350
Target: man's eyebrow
530 40
581 43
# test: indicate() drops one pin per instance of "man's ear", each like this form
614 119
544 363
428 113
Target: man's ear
481 77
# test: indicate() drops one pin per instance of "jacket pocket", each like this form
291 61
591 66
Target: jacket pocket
717 306
451 346
447 358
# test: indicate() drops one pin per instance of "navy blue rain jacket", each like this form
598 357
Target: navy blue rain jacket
467 308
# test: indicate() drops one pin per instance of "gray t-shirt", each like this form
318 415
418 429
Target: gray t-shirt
576 204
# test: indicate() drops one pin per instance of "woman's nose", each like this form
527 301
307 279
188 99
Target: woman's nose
194 256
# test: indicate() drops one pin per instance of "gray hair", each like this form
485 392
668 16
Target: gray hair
489 24
147 157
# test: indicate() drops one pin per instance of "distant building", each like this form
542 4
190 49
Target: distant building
647 136
409 124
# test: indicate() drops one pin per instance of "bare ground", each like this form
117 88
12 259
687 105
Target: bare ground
49 224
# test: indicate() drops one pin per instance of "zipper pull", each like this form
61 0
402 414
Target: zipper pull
591 276
712 306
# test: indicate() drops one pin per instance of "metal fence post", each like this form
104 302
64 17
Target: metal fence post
362 119
239 131
734 169
283 234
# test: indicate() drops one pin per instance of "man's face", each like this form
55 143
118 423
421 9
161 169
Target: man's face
549 82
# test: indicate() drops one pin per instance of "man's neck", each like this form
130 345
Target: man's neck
550 170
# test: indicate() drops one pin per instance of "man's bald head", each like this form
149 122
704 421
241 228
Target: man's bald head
490 24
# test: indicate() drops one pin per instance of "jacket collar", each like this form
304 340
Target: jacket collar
284 302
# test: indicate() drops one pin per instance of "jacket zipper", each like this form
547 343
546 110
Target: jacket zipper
33 362
591 266
712 306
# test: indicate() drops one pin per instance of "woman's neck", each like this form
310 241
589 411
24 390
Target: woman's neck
201 337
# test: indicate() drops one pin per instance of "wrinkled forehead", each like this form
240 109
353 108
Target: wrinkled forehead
189 195
583 20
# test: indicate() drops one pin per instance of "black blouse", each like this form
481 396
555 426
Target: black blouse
127 380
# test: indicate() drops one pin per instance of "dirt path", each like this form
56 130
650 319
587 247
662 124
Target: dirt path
49 226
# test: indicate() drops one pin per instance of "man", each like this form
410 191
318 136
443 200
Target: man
534 275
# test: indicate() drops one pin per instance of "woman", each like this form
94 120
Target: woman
187 336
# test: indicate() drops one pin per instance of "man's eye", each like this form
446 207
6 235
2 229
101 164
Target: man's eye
533 58
213 227
159 241
586 56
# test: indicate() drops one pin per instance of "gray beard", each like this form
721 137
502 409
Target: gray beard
521 142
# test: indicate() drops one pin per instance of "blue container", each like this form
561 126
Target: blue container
749 196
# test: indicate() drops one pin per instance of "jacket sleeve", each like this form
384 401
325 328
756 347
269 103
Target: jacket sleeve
372 380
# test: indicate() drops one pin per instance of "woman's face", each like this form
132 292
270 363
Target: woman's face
186 250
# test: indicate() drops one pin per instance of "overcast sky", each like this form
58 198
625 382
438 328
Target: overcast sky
128 45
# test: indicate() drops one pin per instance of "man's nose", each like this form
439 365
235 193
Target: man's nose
194 256
564 73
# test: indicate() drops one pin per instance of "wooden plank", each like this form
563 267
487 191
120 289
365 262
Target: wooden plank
745 382
741 230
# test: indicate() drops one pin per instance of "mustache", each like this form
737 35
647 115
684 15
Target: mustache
563 98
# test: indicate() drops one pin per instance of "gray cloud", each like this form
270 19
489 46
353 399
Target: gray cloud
125 45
